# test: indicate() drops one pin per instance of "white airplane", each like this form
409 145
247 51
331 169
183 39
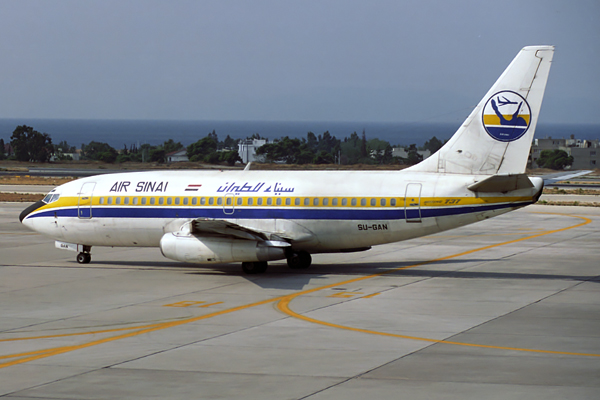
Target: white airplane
254 217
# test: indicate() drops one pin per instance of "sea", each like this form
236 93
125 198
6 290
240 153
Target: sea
120 133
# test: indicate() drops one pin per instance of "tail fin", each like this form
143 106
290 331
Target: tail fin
496 137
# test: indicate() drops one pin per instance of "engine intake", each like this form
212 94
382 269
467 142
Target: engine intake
212 250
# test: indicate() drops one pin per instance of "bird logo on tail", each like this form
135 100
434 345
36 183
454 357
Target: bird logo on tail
506 116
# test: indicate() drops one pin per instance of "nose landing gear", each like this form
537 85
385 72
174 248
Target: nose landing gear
84 258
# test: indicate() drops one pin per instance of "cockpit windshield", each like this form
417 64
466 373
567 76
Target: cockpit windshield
51 197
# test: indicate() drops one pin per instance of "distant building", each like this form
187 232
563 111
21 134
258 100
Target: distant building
177 156
247 149
401 152
585 152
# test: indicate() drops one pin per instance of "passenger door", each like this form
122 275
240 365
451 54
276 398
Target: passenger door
412 202
84 204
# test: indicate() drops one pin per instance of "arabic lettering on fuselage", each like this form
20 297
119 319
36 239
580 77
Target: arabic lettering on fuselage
250 188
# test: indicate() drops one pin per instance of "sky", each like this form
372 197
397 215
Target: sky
352 60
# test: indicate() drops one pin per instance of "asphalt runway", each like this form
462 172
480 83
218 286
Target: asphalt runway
508 308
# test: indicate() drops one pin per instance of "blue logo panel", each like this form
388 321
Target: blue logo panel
506 116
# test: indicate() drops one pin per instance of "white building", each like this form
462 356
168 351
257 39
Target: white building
177 156
247 149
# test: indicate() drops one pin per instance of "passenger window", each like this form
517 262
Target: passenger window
250 201
279 201
239 201
169 200
296 201
344 201
185 201
219 201
211 201
177 201
125 200
316 201
307 201
334 202
194 201
202 201
152 200
373 202
353 202
383 202
135 200
259 201
269 201
101 200
363 202
161 200
228 201
393 202
117 200
109 200
325 201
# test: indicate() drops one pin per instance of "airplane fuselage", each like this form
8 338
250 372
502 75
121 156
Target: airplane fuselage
323 211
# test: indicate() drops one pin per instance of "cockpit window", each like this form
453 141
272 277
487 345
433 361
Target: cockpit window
51 197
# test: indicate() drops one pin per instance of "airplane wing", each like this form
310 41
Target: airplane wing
290 232
226 228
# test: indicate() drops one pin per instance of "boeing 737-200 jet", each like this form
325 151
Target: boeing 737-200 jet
254 217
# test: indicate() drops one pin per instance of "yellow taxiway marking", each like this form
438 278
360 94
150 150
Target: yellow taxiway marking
371 295
283 305
345 295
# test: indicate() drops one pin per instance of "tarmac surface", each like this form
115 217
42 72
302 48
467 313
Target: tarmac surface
508 308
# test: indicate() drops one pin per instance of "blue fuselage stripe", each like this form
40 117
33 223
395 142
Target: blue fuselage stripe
269 213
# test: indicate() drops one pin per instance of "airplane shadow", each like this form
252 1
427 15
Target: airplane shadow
281 277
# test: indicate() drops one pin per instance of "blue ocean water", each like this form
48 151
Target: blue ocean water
118 133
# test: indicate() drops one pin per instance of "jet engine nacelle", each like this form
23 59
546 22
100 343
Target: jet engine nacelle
211 250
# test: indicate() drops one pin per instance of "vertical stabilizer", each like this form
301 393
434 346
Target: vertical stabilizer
496 137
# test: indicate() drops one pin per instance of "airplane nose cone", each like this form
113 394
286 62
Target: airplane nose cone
30 209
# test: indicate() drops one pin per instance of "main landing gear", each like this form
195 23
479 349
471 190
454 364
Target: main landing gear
299 260
254 267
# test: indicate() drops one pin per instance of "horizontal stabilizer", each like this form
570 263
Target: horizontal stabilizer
553 178
501 183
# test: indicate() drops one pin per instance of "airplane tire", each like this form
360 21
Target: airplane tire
299 260
84 258
254 267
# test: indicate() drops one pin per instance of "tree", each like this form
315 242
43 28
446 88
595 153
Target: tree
554 159
380 151
99 151
229 157
170 146
230 143
62 148
31 145
2 156
158 155
433 144
413 156
202 148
